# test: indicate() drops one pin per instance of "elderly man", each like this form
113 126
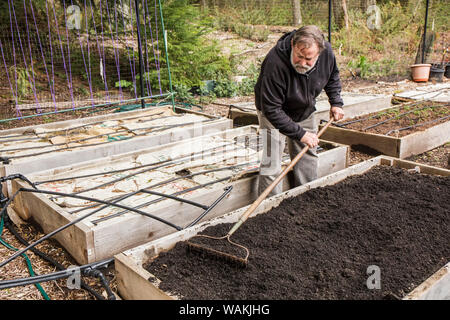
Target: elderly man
292 75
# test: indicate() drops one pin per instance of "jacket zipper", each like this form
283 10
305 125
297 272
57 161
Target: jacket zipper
307 86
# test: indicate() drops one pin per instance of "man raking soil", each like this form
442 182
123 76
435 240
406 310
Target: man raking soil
293 74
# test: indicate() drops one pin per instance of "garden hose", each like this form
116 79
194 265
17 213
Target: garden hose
5 222
27 260
47 258
84 269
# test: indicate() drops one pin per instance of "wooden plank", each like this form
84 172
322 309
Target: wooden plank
386 145
422 141
436 287
134 281
423 168
77 239
137 256
333 160
359 108
352 109
412 144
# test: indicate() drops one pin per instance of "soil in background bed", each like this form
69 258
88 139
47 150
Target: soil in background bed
437 157
319 244
419 113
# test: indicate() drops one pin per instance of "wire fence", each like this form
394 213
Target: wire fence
61 54
67 54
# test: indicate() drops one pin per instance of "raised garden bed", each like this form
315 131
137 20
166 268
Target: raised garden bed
316 243
198 170
439 92
37 148
438 157
408 129
355 104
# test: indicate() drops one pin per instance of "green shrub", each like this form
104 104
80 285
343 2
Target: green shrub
226 88
182 93
192 57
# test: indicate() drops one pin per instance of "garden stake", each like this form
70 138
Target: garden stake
208 251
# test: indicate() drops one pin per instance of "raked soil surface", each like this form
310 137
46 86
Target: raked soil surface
322 243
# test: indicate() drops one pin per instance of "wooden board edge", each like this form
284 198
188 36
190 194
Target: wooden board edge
133 283
419 167
386 145
436 287
45 213
431 138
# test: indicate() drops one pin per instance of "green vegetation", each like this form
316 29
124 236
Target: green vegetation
192 57
391 49
23 84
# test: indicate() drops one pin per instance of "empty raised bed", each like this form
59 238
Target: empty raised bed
354 105
36 148
315 242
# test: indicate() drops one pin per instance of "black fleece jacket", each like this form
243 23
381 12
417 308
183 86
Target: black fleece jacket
285 97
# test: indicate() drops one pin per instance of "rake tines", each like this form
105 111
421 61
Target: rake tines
214 254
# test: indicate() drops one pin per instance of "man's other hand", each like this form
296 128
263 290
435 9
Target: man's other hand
310 139
336 113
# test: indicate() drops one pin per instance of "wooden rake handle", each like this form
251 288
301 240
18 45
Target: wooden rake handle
266 192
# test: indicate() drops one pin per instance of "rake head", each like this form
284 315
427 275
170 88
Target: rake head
208 252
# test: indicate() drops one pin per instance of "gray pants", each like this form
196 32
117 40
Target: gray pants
273 146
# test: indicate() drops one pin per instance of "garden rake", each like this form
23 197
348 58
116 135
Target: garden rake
209 251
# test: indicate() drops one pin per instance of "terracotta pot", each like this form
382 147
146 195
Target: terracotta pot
420 72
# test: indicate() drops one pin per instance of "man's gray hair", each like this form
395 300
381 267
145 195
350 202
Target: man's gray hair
308 35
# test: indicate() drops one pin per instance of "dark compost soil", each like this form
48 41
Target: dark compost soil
320 244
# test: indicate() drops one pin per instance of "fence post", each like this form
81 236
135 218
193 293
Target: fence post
141 61
167 55
329 20
425 32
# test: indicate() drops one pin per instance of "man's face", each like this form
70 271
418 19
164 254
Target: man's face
302 58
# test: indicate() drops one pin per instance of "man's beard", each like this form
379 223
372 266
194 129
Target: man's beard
299 68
